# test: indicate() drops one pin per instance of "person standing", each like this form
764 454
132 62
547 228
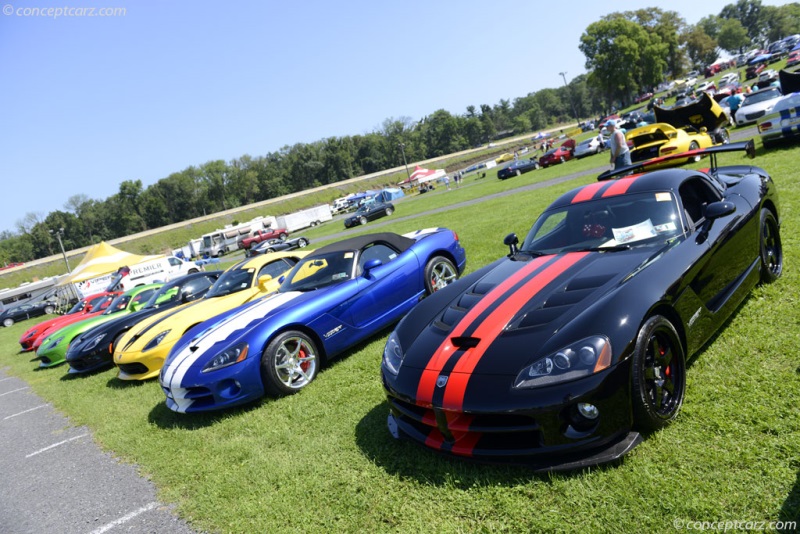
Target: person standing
620 153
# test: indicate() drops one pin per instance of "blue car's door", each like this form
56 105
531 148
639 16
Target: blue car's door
387 291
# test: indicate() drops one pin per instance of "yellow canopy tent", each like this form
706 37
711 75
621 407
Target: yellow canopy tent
103 259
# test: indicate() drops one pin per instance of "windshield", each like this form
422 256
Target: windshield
623 220
119 303
320 271
231 282
78 307
755 98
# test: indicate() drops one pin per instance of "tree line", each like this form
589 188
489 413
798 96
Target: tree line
626 52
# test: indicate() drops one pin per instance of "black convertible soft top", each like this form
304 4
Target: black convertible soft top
398 242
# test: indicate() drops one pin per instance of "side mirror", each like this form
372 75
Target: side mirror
88 308
371 264
263 281
715 210
511 241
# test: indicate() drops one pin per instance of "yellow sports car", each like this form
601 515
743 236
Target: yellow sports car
141 353
700 124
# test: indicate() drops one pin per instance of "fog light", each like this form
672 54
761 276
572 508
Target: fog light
589 411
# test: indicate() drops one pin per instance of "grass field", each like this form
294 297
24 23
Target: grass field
323 459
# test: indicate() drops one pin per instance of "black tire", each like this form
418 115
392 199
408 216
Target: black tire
770 247
439 272
192 271
289 363
8 322
283 237
269 251
362 220
49 309
561 159
517 173
389 211
302 243
694 146
659 375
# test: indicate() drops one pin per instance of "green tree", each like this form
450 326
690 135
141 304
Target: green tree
749 14
732 36
701 49
781 21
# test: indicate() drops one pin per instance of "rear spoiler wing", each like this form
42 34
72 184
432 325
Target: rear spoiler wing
748 147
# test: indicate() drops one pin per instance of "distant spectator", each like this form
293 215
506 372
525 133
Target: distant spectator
620 153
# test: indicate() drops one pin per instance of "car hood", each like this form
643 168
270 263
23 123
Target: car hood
178 320
515 312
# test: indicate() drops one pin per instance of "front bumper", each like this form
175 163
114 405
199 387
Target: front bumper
215 390
539 427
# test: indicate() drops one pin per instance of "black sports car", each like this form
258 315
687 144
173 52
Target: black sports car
515 168
93 349
560 354
369 212
276 245
26 311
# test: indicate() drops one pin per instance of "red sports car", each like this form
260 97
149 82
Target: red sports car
85 308
558 155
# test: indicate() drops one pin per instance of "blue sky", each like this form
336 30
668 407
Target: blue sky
88 102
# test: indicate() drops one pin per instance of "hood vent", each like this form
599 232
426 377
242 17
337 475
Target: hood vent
563 300
456 311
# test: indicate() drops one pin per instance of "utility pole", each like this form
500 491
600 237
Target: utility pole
58 233
569 96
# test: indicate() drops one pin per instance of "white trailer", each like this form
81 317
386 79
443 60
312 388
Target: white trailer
226 239
305 218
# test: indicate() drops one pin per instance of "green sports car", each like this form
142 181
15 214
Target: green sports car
53 350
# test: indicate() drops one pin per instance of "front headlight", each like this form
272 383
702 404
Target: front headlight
393 354
577 360
93 342
54 343
229 356
155 341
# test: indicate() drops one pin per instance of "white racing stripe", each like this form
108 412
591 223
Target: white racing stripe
186 358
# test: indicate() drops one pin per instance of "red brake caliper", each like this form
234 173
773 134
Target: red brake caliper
304 366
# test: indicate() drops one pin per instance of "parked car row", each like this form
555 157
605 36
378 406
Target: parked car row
560 354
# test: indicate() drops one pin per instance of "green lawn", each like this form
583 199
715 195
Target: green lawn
322 460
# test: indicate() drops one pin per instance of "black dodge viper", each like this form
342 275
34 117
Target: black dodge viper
562 353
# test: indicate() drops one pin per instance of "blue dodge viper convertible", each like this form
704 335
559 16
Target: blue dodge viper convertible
331 300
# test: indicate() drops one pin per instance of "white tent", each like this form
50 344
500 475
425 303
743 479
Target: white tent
420 176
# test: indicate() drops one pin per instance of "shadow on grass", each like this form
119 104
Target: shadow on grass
163 417
87 374
790 511
407 459
116 383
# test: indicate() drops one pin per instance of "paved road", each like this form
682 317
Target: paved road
55 479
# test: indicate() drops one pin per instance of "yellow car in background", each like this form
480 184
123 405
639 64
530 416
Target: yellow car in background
503 158
141 352
700 124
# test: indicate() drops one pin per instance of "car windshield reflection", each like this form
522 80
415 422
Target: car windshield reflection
614 223
320 271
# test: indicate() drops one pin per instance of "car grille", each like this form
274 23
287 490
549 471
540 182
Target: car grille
133 368
754 116
495 434
88 362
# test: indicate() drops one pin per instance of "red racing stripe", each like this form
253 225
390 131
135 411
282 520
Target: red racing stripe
489 329
588 192
427 382
620 187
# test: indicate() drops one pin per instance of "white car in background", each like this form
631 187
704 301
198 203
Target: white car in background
589 147
757 105
783 122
